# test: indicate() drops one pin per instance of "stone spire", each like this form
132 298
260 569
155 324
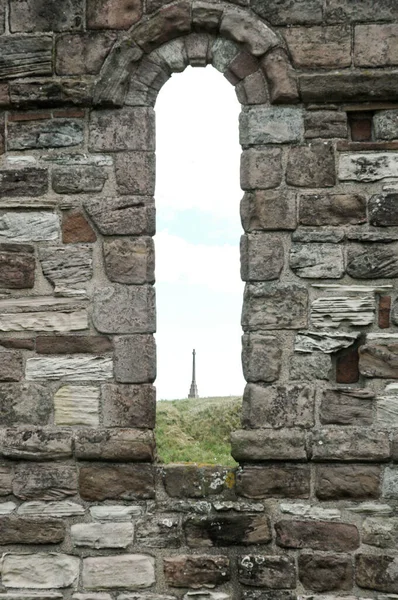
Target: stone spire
193 392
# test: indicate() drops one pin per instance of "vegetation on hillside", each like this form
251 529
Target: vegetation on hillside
197 430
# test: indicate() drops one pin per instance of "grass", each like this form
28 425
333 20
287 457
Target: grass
197 430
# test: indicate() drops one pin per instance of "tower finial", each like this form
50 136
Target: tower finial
193 392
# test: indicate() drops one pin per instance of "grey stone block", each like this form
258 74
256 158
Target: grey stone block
135 359
124 309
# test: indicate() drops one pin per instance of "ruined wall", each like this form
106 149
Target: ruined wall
85 512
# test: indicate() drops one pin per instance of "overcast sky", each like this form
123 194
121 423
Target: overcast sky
198 286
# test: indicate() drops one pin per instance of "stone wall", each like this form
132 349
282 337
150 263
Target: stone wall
86 513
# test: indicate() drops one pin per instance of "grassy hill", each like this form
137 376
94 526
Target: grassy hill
197 430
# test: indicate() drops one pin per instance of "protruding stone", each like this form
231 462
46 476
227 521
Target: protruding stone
40 571
317 535
259 125
122 309
278 406
115 513
62 509
130 261
128 406
102 535
66 265
274 306
17 266
123 445
245 29
313 512
143 368
333 311
311 165
351 482
261 357
129 571
317 261
126 482
169 22
272 572
196 571
367 167
325 341
283 85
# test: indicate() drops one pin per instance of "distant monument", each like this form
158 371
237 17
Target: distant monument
193 392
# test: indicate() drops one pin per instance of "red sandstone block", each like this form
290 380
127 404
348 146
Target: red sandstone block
347 367
384 312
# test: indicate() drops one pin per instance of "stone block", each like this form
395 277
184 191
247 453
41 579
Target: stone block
347 482
76 229
348 406
379 360
102 535
6 478
113 14
326 341
40 571
123 309
262 257
317 535
322 573
36 510
23 404
206 16
268 444
383 210
129 571
198 53
44 482
135 173
122 445
111 482
317 261
30 182
319 47
260 125
311 166
332 209
261 357
367 167
205 532
261 169
377 261
325 124
268 595
385 124
49 93
377 572
25 56
44 321
337 11
78 180
350 444
28 16
36 443
32 226
282 12
159 532
277 480
332 311
308 511
11 367
129 406
196 481
390 483
122 216
135 359
66 265
282 80
196 571
263 210
252 89
274 306
76 405
384 320
82 53
307 367
381 532
73 344
54 133
169 22
223 52
376 45
122 129
278 406
271 572
115 513
19 530
130 261
72 368
245 29
17 266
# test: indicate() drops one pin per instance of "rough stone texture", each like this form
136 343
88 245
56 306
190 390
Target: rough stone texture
274 306
76 228
196 571
332 209
383 210
159 532
325 341
10 365
40 571
356 482
28 15
282 12
311 166
354 309
125 129
34 226
262 210
32 443
271 572
350 444
143 368
113 14
25 56
278 406
376 262
259 125
325 573
17 266
18 530
122 216
376 45
130 261
72 368
77 405
261 357
135 173
29 182
68 266
261 169
102 535
82 53
380 532
124 482
346 407
377 572
379 360
316 365
367 167
78 180
38 509
319 47
274 481
123 445
130 571
325 124
227 530
385 125
57 133
122 309
262 257
23 404
72 344
128 405
317 261
44 482
268 444
317 535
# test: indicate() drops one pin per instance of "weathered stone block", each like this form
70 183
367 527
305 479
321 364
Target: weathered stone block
62 509
274 481
271 572
308 367
367 166
268 444
169 22
122 129
262 257
252 89
325 573
282 12
350 444
385 125
76 228
115 512
73 344
282 80
128 405
268 210
338 11
379 360
356 482
32 226
325 123
377 261
376 45
311 166
130 261
135 359
123 216
57 133
17 266
76 405
223 52
113 14
390 482
40 571
202 532
245 29
102 535
317 261
259 125
29 15
271 306
78 180
196 571
348 406
261 169
49 93
44 482
319 47
11 368
332 311
23 404
73 368
135 173
317 535
268 595
130 571
381 532
66 265
82 53
25 56
29 182
19 530
261 357
383 209
123 445
109 482
325 341
159 532
6 478
377 572
123 309
193 481
332 209
278 406
32 443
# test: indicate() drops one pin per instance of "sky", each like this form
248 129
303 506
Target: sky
198 287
